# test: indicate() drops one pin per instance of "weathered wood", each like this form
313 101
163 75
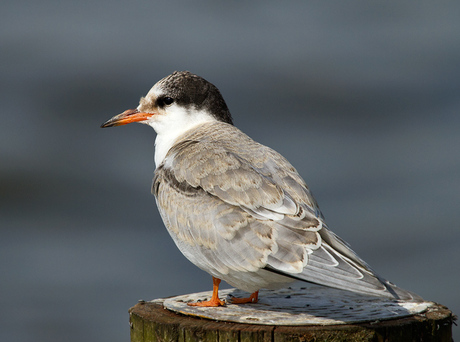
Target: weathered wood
150 322
315 305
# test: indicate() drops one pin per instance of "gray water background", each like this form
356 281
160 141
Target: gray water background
363 98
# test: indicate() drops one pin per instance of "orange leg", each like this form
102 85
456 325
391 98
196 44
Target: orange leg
215 301
253 298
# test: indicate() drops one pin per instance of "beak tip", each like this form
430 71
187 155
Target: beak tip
128 116
109 123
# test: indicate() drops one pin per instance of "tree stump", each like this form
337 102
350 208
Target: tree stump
316 314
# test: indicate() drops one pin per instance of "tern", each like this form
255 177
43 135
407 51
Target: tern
238 209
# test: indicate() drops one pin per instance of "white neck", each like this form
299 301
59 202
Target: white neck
172 125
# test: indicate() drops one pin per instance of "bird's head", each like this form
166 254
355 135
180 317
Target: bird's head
177 101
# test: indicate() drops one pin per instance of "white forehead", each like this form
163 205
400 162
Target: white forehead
155 91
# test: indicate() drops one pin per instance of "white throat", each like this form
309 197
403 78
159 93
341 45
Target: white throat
171 125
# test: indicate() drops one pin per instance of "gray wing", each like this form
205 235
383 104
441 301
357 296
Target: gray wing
218 234
248 208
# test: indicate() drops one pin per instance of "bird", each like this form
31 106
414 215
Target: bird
238 209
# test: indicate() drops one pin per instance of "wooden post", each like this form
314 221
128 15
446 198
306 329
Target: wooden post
151 322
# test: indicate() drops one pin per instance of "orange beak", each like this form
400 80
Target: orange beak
128 116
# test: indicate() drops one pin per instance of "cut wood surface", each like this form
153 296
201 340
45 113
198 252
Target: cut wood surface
150 321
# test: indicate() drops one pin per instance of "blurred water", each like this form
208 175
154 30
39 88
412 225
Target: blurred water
361 97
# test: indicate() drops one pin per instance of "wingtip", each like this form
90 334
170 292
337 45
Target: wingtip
401 294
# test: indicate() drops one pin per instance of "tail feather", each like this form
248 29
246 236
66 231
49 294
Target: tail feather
336 265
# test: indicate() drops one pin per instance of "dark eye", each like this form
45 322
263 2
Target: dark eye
164 101
168 100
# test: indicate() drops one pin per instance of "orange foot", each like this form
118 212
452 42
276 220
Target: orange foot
254 298
215 301
208 303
